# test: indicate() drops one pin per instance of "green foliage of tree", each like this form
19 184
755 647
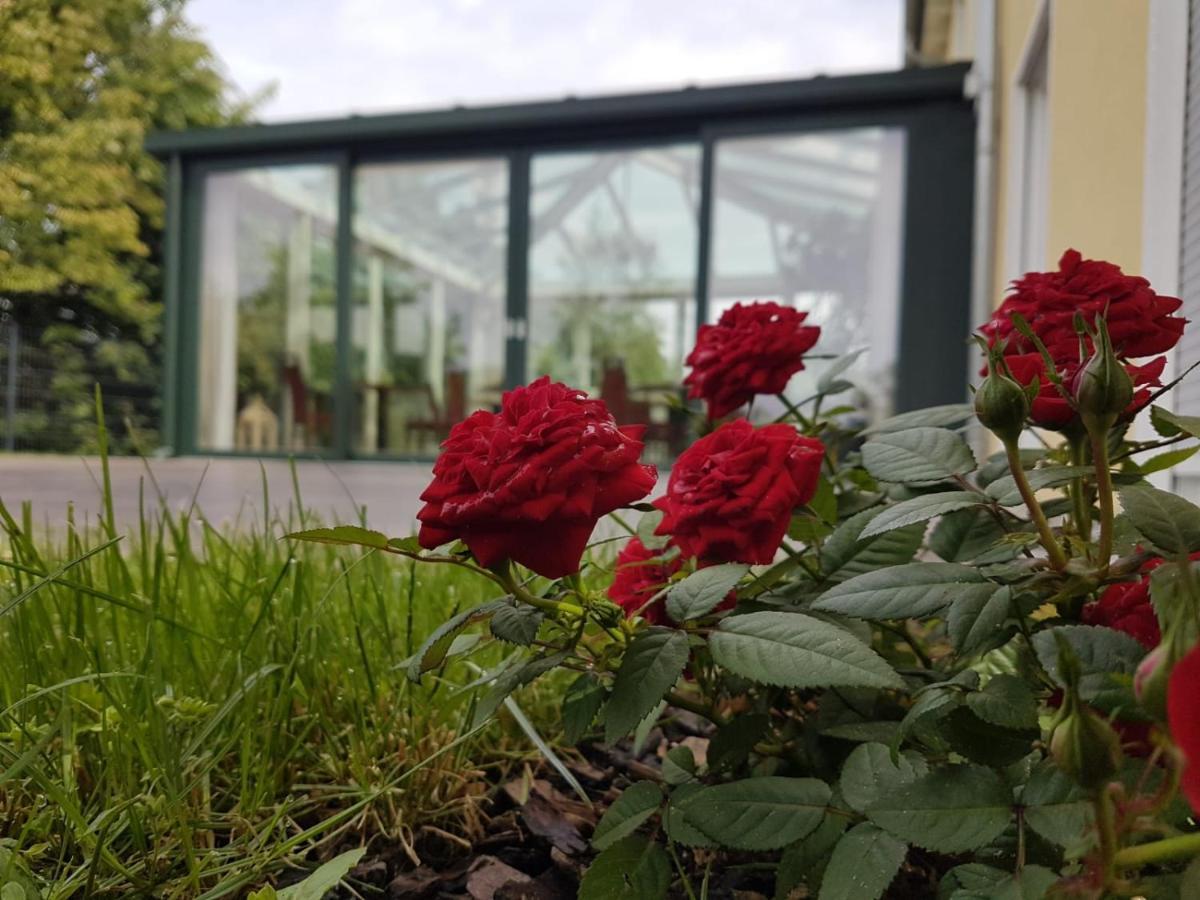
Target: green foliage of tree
81 84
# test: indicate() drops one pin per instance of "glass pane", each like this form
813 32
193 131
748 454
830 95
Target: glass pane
429 283
813 221
612 273
267 311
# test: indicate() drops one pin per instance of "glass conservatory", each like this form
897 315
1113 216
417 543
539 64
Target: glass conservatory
352 288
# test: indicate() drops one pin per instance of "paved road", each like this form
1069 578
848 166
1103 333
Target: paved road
228 488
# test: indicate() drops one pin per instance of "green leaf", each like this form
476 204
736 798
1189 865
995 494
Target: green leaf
863 864
847 553
758 813
652 664
435 647
983 742
976 881
645 530
405 544
1100 651
869 772
808 529
675 823
911 591
936 700
1166 520
637 803
702 591
966 535
921 509
936 416
342 534
679 766
1169 424
325 878
950 810
1056 807
804 862
793 650
1167 460
581 702
631 869
509 680
975 619
830 376
516 624
733 742
917 456
1004 490
1007 701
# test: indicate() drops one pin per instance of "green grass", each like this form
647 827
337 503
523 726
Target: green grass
186 711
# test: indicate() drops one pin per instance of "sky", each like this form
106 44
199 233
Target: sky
337 57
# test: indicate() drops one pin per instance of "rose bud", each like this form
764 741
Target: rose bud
1001 405
1085 746
1102 389
1151 679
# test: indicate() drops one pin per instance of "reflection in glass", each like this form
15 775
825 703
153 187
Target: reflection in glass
813 221
612 263
428 320
267 312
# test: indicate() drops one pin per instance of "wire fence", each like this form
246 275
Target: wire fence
47 398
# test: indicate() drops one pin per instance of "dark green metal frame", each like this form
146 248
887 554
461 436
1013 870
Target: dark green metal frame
928 104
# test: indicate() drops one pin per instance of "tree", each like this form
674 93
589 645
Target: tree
81 83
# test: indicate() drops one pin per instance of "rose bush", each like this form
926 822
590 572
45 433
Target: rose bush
924 672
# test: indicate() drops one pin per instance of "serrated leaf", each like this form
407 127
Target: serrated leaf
983 742
509 680
846 553
910 591
516 624
1166 520
645 530
863 864
966 535
869 772
935 700
676 825
936 416
974 619
921 509
1007 701
975 881
794 650
1169 424
432 651
804 862
1004 489
631 869
652 664
342 534
734 741
1102 651
702 591
950 810
917 456
637 803
408 544
581 702
758 813
678 766
1160 462
1056 807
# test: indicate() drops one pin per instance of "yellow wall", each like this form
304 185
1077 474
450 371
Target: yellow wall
1097 112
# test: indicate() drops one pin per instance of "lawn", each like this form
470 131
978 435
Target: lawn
186 711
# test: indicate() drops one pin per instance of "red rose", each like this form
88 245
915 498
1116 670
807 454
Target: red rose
1139 320
1050 408
1126 607
1183 718
753 349
731 494
640 574
530 483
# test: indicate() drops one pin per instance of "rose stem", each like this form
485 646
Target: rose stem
1104 491
1057 558
1180 847
1079 505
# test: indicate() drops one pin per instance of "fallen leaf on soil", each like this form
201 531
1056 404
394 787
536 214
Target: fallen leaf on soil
488 874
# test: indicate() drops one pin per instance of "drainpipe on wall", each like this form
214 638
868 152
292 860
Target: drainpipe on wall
981 84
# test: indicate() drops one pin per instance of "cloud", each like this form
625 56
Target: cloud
334 57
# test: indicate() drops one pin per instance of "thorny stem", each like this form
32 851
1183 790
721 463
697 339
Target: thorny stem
504 578
675 698
1106 825
1057 558
1180 847
1080 509
1104 491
